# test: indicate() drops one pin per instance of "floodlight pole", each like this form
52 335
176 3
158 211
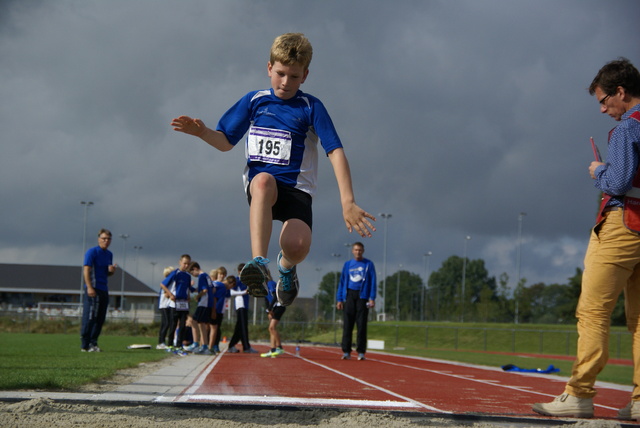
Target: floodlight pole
84 246
515 291
464 274
124 237
386 217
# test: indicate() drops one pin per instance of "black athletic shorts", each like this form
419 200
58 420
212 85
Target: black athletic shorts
202 314
277 312
291 203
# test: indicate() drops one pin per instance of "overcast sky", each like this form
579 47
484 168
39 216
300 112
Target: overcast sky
456 116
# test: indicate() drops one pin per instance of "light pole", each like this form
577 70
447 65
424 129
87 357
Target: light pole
84 245
153 269
398 294
137 248
335 289
318 293
124 237
347 247
427 258
386 217
464 274
518 249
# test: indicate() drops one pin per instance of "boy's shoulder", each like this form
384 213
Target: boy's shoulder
267 94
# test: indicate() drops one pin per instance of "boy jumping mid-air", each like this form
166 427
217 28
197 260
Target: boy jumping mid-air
284 126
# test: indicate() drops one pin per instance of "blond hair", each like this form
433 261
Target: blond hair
168 270
290 49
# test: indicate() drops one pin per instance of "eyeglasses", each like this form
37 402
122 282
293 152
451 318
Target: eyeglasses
105 238
604 99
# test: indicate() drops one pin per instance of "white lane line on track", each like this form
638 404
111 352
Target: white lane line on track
473 379
200 380
293 401
402 397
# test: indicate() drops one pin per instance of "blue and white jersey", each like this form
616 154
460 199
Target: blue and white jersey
205 283
182 284
282 136
221 296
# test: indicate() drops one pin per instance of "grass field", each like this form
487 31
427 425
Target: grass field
53 361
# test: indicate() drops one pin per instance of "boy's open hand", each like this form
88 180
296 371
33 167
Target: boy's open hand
188 125
357 218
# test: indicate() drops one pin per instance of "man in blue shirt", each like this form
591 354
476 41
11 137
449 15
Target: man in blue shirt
356 294
612 261
97 268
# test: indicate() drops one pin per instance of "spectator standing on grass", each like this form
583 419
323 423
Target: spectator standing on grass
275 312
283 127
97 268
612 261
180 295
356 294
240 297
166 305
220 301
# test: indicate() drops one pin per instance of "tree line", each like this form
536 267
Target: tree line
448 295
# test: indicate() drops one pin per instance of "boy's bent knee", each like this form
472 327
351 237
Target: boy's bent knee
263 182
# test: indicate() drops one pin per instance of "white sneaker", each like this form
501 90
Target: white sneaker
161 346
631 412
566 405
192 347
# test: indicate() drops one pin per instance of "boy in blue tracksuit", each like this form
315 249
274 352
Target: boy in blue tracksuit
180 295
219 302
356 294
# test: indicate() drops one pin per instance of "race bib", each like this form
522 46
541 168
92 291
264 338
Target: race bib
182 305
269 145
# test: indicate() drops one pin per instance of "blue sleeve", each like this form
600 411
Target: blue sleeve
203 284
169 279
616 177
235 123
372 281
341 294
323 126
89 257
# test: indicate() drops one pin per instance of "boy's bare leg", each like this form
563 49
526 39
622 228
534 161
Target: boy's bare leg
273 332
264 193
295 242
204 333
213 331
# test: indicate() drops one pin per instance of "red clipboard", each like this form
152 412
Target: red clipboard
596 151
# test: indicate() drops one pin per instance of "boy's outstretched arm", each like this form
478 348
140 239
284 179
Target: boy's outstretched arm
197 128
354 216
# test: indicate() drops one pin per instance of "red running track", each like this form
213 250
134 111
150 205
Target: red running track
383 381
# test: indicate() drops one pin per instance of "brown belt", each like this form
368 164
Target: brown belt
608 209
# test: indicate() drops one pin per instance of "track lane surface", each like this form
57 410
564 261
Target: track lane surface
383 381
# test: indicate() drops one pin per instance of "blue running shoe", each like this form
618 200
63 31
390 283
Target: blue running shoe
254 275
288 285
